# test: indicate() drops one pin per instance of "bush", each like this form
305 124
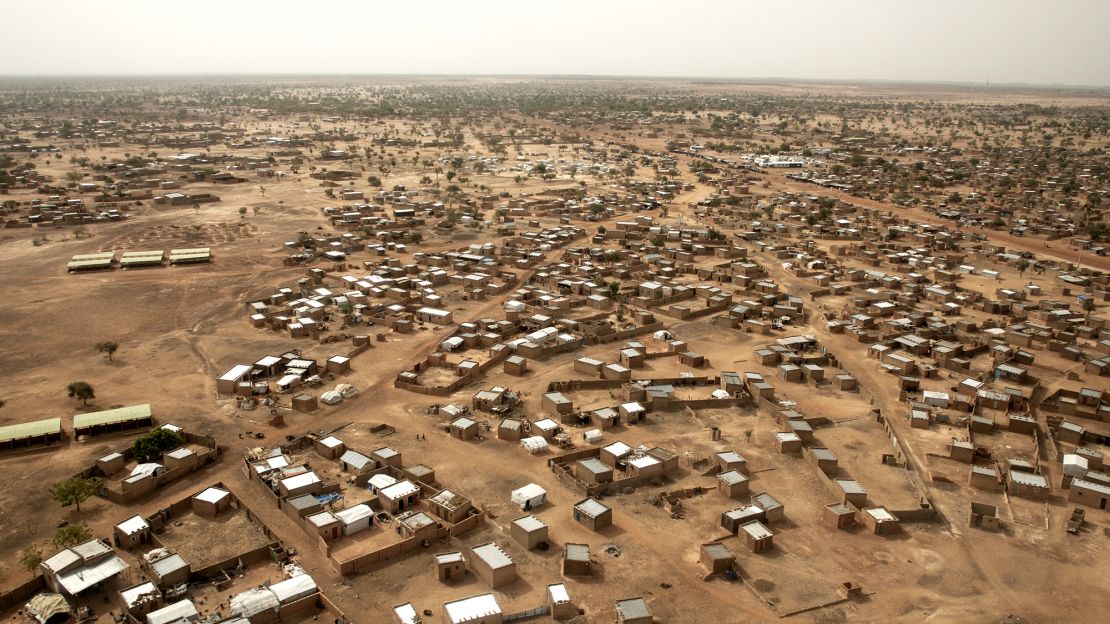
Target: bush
151 446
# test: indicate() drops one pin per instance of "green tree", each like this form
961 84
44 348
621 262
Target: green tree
80 390
71 535
1022 265
346 309
31 558
72 491
1089 306
614 289
374 180
149 447
108 347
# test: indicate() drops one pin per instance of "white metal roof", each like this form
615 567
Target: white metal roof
471 609
400 490
618 448
756 529
212 495
881 514
355 459
84 577
133 525
492 555
131 595
406 613
235 373
591 507
299 481
558 593
322 519
351 515
167 565
183 610
293 588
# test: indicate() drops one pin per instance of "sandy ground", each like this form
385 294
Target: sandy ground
179 327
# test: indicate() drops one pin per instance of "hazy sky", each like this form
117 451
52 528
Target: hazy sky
1036 41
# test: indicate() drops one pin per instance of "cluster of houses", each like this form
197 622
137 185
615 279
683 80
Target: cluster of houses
166 588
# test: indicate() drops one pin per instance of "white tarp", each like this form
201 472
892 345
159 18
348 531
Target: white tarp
530 496
534 444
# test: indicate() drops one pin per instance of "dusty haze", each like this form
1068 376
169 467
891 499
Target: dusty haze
1019 41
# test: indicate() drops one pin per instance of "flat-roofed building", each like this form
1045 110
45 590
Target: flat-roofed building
593 514
450 566
492 564
732 483
528 531
480 609
576 560
633 611
879 521
756 536
716 558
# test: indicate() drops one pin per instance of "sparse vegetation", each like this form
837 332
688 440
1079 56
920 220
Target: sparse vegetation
80 390
107 347
73 491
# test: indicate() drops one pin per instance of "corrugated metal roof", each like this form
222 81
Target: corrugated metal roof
112 416
472 608
183 610
294 588
82 578
633 608
30 429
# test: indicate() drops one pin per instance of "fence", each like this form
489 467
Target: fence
628 333
22 593
361 563
529 614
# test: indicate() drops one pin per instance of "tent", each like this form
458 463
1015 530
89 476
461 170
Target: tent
534 444
331 397
48 606
529 496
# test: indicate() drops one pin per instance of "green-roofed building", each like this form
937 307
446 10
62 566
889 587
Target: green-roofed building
23 435
109 421
189 256
132 259
91 262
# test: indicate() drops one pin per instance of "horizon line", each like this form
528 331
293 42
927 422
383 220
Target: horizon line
984 85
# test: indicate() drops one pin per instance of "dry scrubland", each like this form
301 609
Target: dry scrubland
834 198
